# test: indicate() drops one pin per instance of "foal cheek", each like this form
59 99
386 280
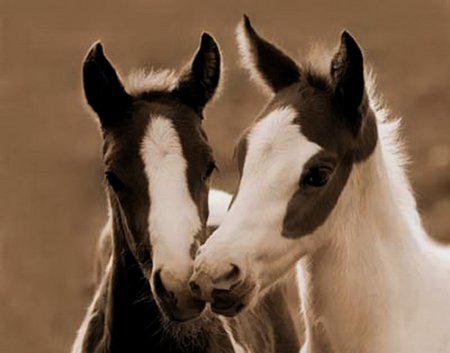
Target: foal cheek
305 213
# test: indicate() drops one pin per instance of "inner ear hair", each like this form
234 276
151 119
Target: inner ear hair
266 63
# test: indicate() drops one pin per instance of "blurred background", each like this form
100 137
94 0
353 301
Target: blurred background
52 205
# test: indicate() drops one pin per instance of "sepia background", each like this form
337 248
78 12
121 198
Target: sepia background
52 204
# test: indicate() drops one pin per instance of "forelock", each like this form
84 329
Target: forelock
141 81
318 59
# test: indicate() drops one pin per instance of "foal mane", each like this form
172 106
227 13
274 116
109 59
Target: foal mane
393 147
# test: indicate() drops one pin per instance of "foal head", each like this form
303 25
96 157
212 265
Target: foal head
294 162
157 163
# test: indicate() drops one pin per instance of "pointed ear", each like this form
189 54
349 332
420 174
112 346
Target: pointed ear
103 90
200 80
347 73
264 60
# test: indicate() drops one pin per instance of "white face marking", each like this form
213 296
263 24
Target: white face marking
173 218
250 235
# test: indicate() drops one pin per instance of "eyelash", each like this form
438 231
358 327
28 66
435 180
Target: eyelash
317 177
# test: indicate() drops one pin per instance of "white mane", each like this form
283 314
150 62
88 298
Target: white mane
143 80
393 149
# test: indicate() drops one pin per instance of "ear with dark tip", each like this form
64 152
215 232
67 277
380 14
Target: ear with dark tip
265 60
103 90
347 72
200 80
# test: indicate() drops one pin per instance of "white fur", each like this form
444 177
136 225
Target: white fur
173 218
276 151
141 80
219 202
79 340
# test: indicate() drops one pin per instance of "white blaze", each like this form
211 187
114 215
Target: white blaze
173 218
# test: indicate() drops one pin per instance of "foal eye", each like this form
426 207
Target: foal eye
114 181
209 170
317 177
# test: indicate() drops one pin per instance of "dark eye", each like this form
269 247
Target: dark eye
209 170
317 177
114 181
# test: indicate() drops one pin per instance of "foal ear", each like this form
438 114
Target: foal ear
199 82
264 60
347 72
103 90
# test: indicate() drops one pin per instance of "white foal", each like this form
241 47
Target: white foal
323 182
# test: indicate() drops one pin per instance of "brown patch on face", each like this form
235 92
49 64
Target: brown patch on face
310 206
321 122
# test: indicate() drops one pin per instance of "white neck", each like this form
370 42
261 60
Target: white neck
379 284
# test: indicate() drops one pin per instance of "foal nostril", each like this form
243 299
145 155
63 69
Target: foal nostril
229 279
233 275
161 291
195 288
